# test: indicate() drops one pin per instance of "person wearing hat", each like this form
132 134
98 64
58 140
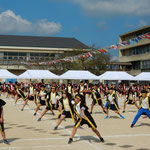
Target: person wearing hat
84 117
2 103
20 93
144 107
96 98
112 104
66 109
130 99
41 97
30 96
52 102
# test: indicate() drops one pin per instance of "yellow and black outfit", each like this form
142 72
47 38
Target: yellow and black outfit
42 98
31 96
20 94
81 120
112 102
81 88
67 108
2 103
95 96
51 103
69 91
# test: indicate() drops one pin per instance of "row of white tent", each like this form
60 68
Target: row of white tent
75 75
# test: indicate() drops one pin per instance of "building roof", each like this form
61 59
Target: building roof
145 29
39 41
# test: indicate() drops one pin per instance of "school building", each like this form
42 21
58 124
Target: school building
16 52
138 55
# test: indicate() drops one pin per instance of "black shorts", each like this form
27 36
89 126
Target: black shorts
53 107
67 114
1 127
9 92
70 96
112 107
42 102
90 121
31 98
129 102
22 96
94 102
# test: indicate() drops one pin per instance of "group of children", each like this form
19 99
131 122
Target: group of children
71 102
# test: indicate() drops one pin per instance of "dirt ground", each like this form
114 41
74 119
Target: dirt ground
24 132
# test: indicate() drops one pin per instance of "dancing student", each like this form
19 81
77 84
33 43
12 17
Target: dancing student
97 99
30 96
82 91
69 90
20 93
84 117
112 104
42 98
2 103
52 102
66 109
1 88
144 107
130 99
4 88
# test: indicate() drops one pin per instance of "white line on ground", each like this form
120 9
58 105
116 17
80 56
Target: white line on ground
68 131
78 137
32 147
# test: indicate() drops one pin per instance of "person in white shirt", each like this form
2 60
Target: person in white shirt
66 109
31 96
144 107
69 90
112 104
84 117
42 98
52 102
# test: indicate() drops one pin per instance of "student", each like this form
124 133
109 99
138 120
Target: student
31 96
84 117
42 98
52 102
69 90
2 103
82 91
130 99
144 107
20 93
66 109
112 104
96 99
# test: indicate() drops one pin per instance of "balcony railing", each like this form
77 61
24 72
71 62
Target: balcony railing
17 60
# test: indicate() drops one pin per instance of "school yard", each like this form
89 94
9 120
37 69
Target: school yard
25 133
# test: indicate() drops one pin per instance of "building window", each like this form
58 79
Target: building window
137 51
146 64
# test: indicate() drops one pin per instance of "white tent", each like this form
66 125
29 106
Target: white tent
116 75
144 76
78 75
5 74
38 74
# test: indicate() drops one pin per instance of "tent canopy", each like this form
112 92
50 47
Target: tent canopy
78 75
116 75
144 76
38 74
5 74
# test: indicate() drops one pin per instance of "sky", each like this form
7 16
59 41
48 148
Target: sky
93 22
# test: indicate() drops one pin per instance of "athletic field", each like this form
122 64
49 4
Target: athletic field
24 132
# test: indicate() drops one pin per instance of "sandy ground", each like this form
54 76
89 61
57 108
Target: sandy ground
24 132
